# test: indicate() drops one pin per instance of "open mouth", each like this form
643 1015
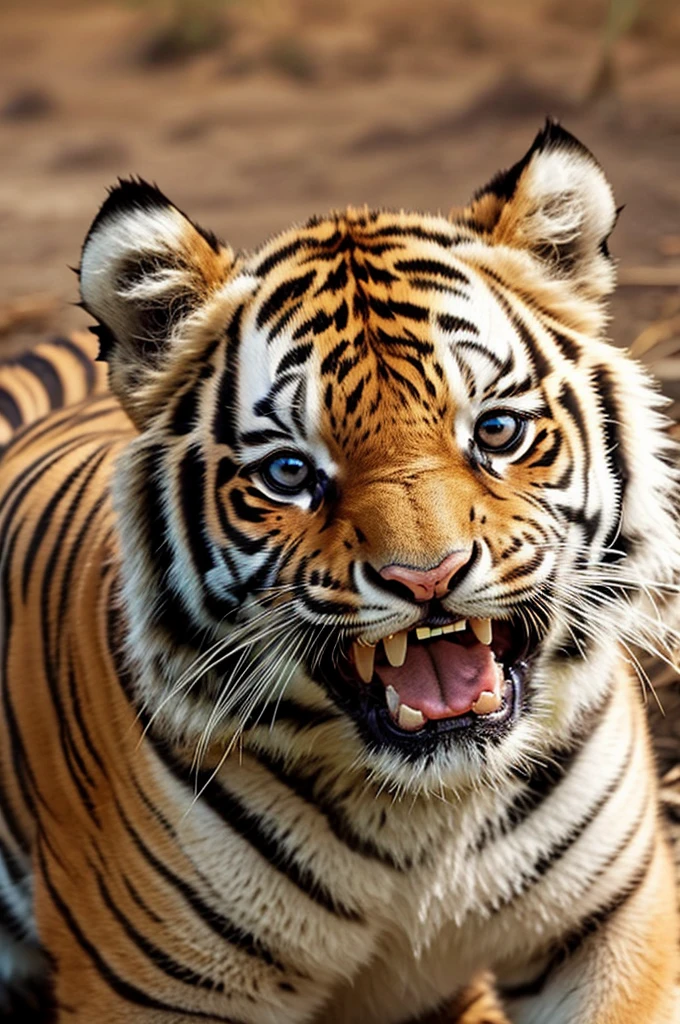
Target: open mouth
442 677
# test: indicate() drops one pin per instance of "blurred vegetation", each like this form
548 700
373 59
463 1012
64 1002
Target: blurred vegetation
182 28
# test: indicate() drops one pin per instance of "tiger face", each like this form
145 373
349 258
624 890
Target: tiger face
386 491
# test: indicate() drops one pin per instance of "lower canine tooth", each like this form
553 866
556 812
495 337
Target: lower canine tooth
392 701
482 630
487 703
410 719
364 659
396 647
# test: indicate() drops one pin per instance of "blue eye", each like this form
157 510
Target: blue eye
287 473
499 431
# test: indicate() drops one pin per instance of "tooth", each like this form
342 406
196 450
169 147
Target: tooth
364 659
396 647
423 632
487 703
437 631
392 701
461 624
410 719
482 630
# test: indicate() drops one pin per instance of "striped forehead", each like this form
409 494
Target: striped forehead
335 332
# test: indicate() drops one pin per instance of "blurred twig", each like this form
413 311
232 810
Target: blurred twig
621 17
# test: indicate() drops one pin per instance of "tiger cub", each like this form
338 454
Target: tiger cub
317 698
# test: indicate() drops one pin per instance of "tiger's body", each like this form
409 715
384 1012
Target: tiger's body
203 814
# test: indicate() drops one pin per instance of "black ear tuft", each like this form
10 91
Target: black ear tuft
551 137
132 194
106 342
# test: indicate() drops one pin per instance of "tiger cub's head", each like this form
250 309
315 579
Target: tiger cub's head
391 490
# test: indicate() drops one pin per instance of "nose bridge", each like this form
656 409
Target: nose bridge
415 521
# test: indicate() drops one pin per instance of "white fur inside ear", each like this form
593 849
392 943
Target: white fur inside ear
568 199
138 234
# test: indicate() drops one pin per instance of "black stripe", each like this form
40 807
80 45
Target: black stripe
308 787
9 409
172 614
125 989
572 942
549 456
281 254
431 266
254 437
554 853
257 832
317 324
570 403
41 528
209 915
9 921
616 458
456 324
192 482
50 658
86 363
157 956
569 348
225 426
21 765
16 872
286 292
62 421
295 357
476 346
184 415
47 375
544 778
512 390
141 903
414 231
391 308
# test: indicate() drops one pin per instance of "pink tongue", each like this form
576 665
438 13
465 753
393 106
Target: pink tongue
441 679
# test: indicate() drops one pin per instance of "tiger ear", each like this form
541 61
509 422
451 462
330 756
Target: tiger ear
556 203
145 269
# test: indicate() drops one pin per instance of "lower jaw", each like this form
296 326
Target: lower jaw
365 705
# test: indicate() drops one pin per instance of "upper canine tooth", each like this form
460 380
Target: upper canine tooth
482 630
396 647
364 659
410 719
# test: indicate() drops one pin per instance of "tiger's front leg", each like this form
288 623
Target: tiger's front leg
622 966
478 1004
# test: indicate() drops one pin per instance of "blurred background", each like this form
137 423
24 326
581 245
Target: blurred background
251 114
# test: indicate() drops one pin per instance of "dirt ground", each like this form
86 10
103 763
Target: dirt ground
291 107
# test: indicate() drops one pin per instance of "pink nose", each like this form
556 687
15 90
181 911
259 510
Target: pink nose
425 584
